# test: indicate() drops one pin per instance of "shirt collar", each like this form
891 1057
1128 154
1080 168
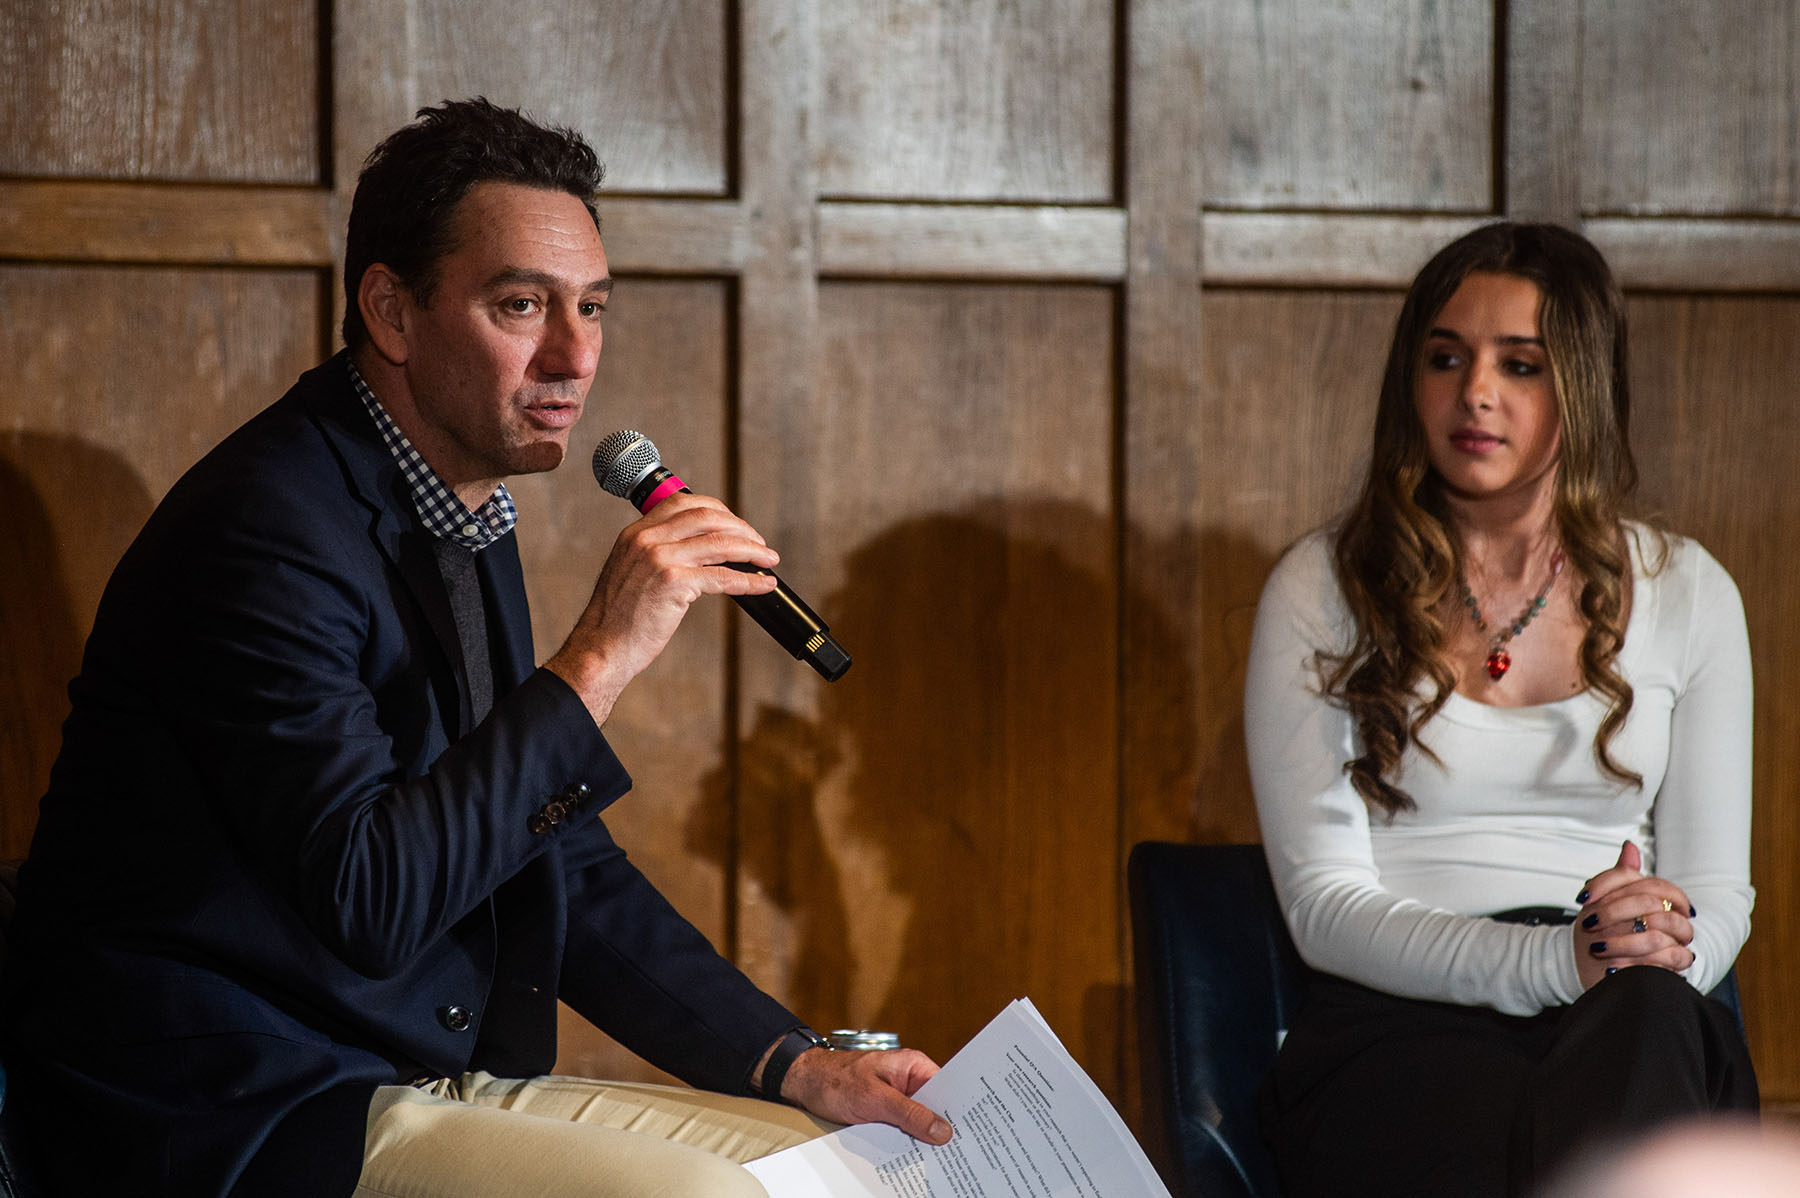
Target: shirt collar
443 514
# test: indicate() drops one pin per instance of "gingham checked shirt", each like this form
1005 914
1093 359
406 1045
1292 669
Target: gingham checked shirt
443 514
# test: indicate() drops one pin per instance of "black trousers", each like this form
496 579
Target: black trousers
1373 1094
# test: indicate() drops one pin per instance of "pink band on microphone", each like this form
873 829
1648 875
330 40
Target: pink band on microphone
664 489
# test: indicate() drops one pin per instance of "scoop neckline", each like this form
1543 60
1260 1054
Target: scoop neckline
1643 599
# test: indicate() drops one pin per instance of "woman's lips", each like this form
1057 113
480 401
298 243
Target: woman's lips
1475 441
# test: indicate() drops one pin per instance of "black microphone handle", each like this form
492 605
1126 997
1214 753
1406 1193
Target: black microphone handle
795 626
782 614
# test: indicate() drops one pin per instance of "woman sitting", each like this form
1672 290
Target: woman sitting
1500 743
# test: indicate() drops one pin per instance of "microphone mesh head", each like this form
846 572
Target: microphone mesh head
622 459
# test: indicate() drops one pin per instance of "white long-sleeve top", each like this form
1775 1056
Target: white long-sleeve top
1518 813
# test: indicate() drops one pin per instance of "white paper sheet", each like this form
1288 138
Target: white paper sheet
1028 1124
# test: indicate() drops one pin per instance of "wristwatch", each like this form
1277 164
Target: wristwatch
786 1052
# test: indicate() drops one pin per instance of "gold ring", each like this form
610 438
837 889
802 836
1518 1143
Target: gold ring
1667 905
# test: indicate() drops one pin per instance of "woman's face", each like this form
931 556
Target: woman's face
1486 397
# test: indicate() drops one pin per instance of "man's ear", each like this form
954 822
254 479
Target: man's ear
385 304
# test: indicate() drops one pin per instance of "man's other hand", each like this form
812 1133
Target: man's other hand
866 1087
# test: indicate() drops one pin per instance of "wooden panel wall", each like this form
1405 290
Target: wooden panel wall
983 101
204 90
1030 334
1348 105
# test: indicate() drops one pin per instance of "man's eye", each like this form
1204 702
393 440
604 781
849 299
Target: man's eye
521 305
592 308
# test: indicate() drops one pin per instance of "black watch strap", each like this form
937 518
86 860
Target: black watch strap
785 1054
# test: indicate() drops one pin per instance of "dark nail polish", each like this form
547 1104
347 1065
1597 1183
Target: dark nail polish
1591 920
1638 925
1611 969
1691 911
1597 947
1581 898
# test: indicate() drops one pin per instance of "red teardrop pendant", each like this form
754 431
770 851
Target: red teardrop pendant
1498 663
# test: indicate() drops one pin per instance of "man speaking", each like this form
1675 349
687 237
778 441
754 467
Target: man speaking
322 849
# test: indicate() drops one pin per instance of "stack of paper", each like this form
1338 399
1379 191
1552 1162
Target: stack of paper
1029 1124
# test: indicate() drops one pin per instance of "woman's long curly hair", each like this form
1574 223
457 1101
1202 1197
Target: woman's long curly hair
1398 559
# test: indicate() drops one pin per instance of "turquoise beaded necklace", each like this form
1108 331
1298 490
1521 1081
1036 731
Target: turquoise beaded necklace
1498 659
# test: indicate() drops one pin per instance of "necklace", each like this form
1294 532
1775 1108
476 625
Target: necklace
1498 659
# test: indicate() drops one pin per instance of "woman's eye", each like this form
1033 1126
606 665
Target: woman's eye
1443 359
1523 369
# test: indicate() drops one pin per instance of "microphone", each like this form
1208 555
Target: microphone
627 464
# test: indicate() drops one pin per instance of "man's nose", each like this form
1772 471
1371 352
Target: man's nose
571 346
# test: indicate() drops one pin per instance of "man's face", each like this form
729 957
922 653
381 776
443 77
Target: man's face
498 366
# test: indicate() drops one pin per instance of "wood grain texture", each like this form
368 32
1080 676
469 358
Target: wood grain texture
1164 345
968 241
981 100
1291 381
1712 382
1348 105
148 223
952 799
781 436
704 237
1690 108
664 370
1332 250
1324 250
645 81
1541 169
89 441
1163 355
202 90
1701 255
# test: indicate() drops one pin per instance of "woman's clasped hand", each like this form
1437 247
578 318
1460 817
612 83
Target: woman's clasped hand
1630 918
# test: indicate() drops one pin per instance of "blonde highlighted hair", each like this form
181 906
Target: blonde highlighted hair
1398 559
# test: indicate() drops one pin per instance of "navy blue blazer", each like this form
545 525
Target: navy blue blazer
276 867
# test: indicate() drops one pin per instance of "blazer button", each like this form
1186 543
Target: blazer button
539 824
455 1018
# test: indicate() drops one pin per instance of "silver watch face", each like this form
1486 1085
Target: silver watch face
860 1039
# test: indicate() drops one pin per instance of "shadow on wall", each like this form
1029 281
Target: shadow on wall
72 510
1233 568
944 837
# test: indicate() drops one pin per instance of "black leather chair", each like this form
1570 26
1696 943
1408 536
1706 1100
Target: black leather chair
11 1184
1218 980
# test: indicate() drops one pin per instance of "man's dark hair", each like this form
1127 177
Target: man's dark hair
412 182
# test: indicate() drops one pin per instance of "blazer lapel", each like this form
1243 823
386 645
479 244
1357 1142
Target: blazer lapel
375 479
503 588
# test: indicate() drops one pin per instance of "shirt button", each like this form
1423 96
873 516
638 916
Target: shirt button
469 530
455 1018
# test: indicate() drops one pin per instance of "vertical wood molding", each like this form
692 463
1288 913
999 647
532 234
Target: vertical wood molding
369 99
1162 460
778 426
1157 436
1541 112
